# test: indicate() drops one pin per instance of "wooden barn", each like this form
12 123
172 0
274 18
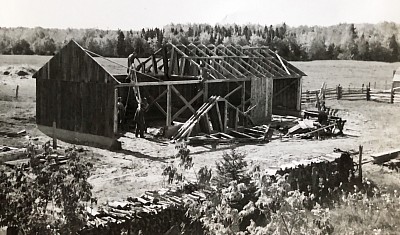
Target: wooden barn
77 90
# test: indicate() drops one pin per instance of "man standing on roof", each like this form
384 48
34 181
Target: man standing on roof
131 61
204 73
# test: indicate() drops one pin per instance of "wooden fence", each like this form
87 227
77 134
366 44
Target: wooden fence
362 93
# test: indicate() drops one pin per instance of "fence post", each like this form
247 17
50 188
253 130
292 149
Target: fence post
368 94
360 149
392 95
16 92
54 136
339 92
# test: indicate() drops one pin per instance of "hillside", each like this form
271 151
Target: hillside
375 42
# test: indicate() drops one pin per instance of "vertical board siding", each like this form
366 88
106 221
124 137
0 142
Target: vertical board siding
288 99
71 90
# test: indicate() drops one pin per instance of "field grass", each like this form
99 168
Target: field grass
32 60
346 73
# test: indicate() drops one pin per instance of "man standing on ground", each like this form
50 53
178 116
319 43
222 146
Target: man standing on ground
139 118
121 112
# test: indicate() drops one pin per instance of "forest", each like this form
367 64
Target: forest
368 42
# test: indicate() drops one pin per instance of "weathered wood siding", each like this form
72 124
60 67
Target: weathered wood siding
286 95
75 92
261 96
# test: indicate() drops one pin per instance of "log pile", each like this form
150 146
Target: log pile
155 212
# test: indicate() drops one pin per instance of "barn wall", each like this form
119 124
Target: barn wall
286 95
76 93
261 96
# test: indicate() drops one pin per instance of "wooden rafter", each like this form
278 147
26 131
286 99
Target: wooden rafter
232 60
253 63
207 56
244 62
195 56
225 62
267 63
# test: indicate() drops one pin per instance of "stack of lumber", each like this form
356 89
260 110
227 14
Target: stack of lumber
152 213
241 135
10 153
187 127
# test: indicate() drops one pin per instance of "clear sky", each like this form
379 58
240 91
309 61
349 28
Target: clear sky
134 14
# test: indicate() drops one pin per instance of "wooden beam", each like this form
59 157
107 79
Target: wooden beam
115 129
205 89
242 134
225 127
165 61
187 104
208 57
219 117
169 106
182 66
156 99
154 64
243 96
274 66
176 115
163 83
233 91
299 88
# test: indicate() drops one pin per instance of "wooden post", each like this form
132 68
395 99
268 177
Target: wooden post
392 95
243 96
368 94
54 135
205 94
168 121
116 111
299 91
360 148
16 92
339 92
225 127
318 104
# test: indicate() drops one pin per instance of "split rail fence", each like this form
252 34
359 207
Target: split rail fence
362 93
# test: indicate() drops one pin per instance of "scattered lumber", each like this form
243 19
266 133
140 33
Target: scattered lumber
382 157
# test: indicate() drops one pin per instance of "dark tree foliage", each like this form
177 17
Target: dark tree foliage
394 47
45 198
121 46
22 47
376 42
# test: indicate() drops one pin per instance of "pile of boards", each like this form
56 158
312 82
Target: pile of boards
389 158
152 213
254 134
310 125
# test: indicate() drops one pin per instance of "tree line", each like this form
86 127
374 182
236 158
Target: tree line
375 42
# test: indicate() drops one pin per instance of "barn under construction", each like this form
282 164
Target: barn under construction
218 88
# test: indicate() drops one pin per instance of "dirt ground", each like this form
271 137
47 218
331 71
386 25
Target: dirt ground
138 167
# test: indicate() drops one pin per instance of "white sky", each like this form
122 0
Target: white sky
134 14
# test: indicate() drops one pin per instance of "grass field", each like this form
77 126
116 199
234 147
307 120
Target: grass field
32 60
346 73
